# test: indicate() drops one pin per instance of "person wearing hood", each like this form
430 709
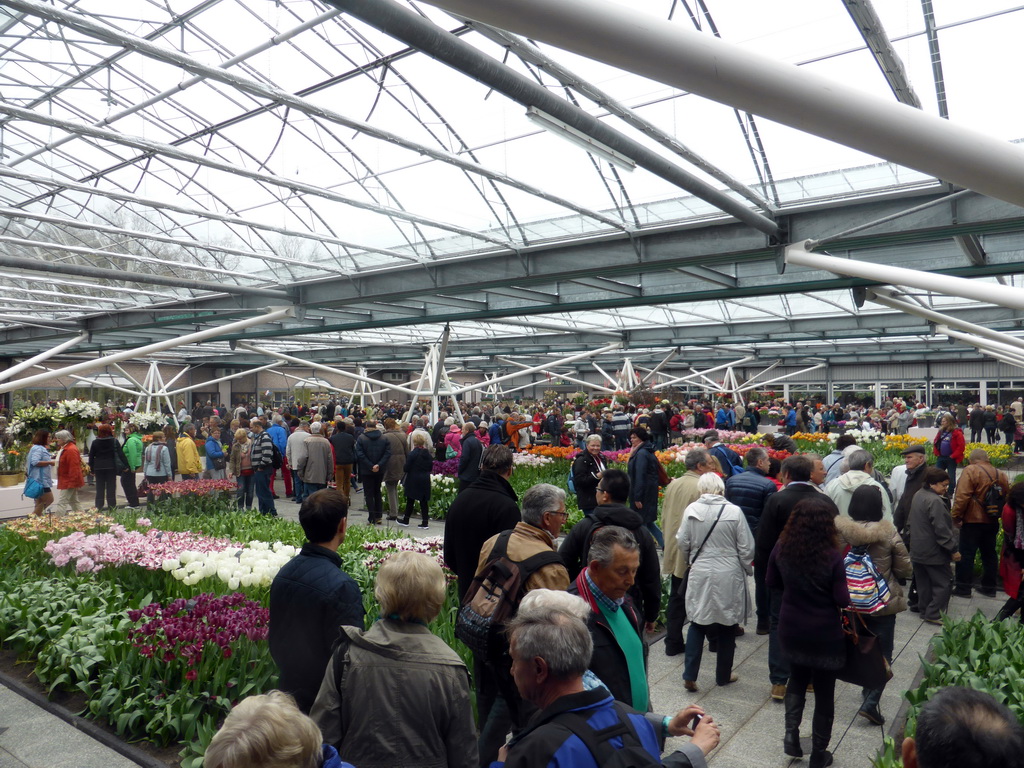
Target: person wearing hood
866 529
715 540
612 492
643 481
396 694
861 472
373 453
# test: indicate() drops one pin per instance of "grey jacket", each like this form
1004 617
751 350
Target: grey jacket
316 464
932 537
404 700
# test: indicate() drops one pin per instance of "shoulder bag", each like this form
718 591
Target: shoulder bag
865 665
689 567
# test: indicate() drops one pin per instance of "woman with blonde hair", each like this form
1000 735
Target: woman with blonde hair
395 695
269 731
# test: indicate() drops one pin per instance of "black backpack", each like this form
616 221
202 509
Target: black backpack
276 461
493 598
994 498
631 755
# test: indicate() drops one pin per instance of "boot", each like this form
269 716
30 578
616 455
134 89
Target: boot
821 733
1009 608
794 703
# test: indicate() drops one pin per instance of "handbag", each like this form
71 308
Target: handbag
865 665
686 576
33 488
219 462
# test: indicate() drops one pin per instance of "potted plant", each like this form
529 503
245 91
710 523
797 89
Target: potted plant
12 464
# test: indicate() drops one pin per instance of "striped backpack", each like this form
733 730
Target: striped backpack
869 592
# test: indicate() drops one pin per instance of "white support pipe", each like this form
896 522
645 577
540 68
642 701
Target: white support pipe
671 356
784 376
180 341
43 356
415 398
983 344
97 384
178 375
602 371
752 379
571 359
581 382
319 367
889 299
176 392
1003 295
668 52
670 382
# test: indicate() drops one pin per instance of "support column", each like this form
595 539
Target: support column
983 392
785 392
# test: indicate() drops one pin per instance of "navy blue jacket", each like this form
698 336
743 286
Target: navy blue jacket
731 462
643 482
750 491
310 598
469 459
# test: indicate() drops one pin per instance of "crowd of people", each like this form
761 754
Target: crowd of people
565 681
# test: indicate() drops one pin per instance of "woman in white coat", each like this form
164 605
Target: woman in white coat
715 540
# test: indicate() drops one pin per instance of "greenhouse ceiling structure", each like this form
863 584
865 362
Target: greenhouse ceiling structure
207 180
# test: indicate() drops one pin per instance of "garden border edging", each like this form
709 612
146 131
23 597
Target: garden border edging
87 727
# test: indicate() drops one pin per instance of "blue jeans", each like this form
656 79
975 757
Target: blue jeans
261 480
656 533
310 488
885 628
947 463
726 638
299 487
246 488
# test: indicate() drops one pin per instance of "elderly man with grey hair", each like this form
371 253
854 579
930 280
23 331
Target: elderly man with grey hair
543 514
861 472
550 649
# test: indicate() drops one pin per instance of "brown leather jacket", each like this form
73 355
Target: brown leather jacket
970 492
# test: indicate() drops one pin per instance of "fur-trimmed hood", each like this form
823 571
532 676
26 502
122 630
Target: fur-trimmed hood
858 534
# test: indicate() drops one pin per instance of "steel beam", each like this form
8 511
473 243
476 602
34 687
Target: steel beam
679 380
6 374
192 338
1002 295
418 31
625 37
748 387
877 41
559 375
530 52
94 28
536 368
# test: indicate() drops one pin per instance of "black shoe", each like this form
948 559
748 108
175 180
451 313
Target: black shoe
987 592
276 496
961 593
674 650
762 629
821 759
791 744
872 715
392 518
404 523
914 608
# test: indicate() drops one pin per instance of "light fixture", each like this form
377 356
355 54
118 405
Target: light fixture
580 139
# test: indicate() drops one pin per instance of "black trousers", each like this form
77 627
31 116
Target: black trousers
975 537
106 488
675 618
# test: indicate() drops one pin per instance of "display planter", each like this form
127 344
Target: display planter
7 479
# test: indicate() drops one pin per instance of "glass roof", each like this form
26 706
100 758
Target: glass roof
270 143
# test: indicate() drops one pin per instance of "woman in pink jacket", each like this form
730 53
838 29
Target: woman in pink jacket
453 441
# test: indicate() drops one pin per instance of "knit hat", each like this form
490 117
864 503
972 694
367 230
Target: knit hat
866 504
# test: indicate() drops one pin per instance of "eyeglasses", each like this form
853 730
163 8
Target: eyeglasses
563 514
602 490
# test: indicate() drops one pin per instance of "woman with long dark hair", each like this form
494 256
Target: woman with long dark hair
1011 561
807 565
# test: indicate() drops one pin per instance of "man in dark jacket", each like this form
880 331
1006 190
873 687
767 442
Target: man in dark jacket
750 491
373 452
344 444
311 598
612 493
643 481
797 470
658 425
620 650
484 510
469 459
